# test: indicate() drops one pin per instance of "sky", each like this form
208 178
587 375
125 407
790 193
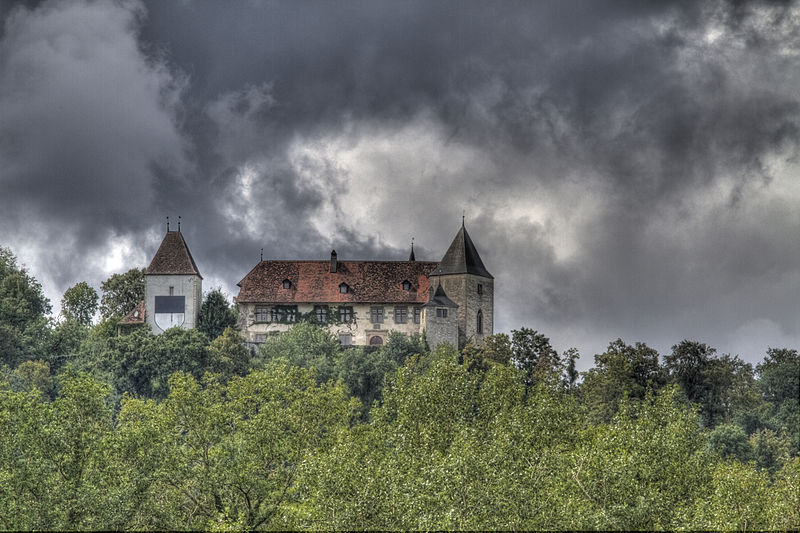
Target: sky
626 169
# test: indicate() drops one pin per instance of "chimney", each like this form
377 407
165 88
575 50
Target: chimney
333 262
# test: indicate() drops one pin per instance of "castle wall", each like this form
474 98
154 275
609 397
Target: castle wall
463 290
183 285
440 330
361 328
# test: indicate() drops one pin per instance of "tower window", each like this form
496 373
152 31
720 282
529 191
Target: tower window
441 312
480 288
344 288
287 284
479 325
172 291
406 285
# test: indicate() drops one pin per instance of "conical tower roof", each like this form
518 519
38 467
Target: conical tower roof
173 257
462 257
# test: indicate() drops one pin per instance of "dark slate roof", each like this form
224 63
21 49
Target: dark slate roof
313 282
440 299
173 257
462 258
136 316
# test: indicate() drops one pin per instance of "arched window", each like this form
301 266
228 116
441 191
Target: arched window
480 322
375 341
287 284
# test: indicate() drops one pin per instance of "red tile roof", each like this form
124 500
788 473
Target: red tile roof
136 316
173 257
312 282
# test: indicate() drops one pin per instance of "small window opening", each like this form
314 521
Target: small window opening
172 291
406 285
287 284
480 322
344 288
480 288
441 312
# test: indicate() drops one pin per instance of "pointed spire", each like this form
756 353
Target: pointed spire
462 257
173 257
411 257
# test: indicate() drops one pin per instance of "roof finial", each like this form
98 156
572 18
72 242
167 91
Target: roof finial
167 223
411 257
463 214
262 254
179 222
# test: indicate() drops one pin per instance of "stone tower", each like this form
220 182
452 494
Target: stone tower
173 287
467 283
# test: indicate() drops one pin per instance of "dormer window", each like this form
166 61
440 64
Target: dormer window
406 285
344 288
287 284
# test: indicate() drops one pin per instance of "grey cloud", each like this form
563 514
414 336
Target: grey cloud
646 106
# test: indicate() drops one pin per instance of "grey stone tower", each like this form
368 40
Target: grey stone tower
173 287
467 283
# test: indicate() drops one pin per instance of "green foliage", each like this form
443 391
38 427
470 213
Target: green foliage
779 375
730 441
305 345
122 293
79 303
718 384
24 328
621 371
216 314
227 355
33 375
531 352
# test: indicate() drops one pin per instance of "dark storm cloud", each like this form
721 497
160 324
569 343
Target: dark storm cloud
651 137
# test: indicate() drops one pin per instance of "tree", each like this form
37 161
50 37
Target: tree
122 293
779 375
532 353
622 370
305 345
216 314
79 303
24 328
729 440
227 355
719 384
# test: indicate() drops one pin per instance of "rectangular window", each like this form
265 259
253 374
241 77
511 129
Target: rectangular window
285 314
401 315
321 314
417 315
172 291
441 312
261 313
345 314
345 339
480 288
376 315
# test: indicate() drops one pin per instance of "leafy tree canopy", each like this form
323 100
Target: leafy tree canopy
79 303
216 314
122 293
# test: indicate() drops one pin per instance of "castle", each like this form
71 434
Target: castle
361 302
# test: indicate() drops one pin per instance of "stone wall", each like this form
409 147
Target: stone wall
441 330
361 328
463 290
183 285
